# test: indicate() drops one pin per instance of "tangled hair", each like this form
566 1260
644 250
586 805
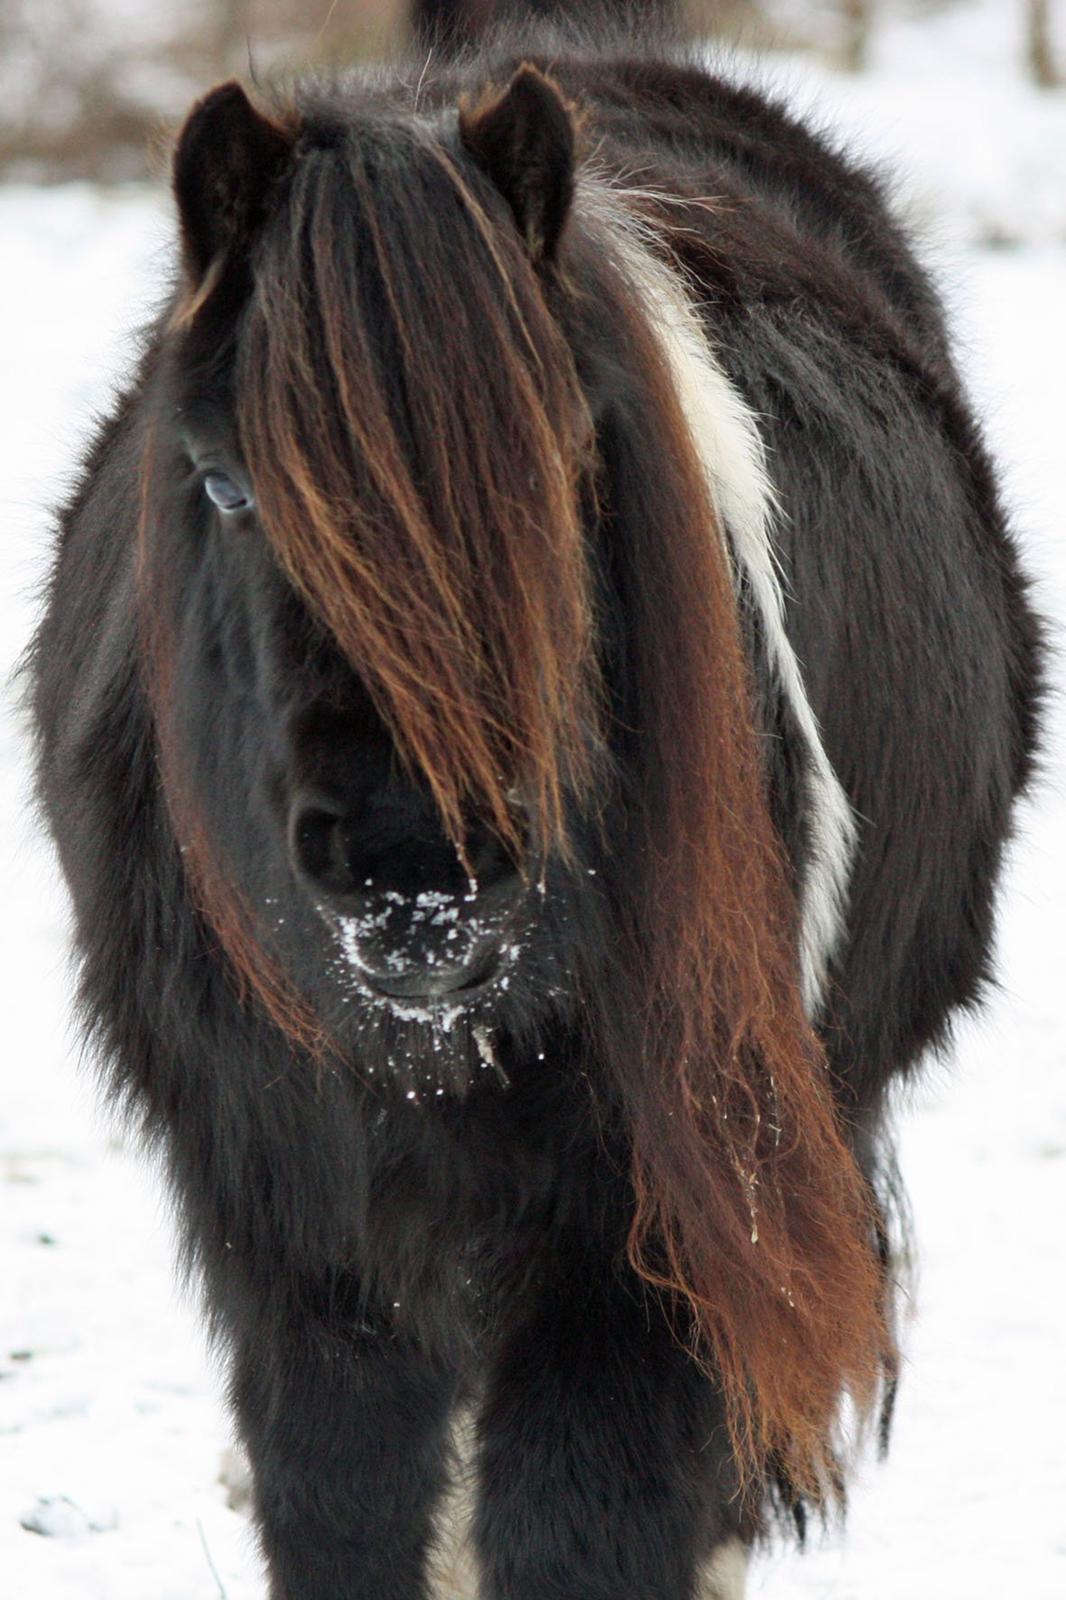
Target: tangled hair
408 405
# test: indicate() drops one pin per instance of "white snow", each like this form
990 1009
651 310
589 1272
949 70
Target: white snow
112 1428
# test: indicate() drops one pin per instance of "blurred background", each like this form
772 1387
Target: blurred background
87 85
113 1425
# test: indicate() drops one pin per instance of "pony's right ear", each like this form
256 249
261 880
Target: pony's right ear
227 159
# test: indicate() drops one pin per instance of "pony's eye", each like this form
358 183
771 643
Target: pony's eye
224 493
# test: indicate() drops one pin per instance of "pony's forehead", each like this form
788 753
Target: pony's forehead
390 154
359 121
389 210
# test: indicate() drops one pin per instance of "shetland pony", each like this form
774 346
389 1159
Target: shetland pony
530 700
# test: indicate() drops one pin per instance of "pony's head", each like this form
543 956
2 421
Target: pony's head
377 673
454 723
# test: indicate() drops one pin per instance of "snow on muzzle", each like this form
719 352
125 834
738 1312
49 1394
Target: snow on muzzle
414 922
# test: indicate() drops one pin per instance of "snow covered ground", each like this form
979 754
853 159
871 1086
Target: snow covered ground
111 1424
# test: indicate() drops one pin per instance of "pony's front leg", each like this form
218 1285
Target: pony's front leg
347 1433
604 1468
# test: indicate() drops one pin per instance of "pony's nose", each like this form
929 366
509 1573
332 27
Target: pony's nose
412 918
341 855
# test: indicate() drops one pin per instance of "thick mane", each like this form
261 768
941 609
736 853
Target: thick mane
412 421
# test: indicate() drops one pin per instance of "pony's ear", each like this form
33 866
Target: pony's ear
227 158
524 141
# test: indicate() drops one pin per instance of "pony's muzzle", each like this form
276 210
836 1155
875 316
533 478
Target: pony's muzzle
414 921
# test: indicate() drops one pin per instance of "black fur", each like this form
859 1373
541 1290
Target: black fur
524 143
223 169
372 1262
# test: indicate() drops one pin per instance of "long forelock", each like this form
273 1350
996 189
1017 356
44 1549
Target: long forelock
412 423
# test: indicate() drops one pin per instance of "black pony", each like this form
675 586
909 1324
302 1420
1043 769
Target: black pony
532 692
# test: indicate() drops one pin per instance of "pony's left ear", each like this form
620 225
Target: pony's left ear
227 159
524 141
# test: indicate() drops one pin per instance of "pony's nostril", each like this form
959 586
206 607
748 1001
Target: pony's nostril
491 864
355 858
320 848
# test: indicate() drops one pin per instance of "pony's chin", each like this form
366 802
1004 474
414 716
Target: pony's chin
432 1046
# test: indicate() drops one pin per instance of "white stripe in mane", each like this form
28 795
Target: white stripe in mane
727 439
